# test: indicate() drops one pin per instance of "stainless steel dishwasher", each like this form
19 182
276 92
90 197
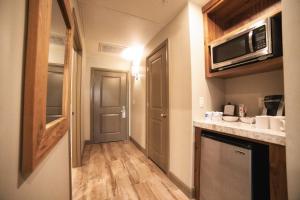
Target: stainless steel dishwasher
232 169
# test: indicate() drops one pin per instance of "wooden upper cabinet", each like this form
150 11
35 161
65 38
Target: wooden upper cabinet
223 17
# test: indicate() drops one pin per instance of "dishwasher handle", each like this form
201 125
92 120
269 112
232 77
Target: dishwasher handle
227 139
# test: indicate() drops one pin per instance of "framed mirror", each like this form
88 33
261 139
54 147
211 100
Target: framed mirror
46 79
56 60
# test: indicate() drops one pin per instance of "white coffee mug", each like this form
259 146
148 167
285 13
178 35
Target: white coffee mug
262 122
208 116
217 116
277 123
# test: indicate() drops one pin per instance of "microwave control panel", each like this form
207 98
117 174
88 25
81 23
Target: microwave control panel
259 37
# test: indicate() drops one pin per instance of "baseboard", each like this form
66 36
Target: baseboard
138 145
189 192
88 142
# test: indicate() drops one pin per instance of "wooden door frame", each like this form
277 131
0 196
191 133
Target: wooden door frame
39 137
77 48
163 44
76 111
93 69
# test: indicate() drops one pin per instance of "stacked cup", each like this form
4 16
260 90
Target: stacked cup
213 116
276 123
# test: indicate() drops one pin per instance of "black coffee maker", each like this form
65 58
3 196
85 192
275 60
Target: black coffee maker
274 105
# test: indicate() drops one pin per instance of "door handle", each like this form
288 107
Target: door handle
123 112
163 115
250 35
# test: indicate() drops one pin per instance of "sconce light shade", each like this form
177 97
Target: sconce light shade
135 70
134 54
137 77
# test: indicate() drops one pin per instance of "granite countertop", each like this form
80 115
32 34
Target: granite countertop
243 130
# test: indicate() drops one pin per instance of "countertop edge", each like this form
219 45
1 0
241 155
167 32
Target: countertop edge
243 130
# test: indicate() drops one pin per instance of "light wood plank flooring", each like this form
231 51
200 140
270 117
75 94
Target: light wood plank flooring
120 171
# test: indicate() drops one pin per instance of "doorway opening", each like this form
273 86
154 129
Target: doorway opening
157 106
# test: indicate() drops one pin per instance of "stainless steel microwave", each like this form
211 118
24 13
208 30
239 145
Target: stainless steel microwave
260 41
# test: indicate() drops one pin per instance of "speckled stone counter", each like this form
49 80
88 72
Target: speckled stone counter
244 130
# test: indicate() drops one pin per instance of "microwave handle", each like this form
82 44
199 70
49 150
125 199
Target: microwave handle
250 37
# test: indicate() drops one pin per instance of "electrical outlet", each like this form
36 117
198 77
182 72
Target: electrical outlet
201 102
260 102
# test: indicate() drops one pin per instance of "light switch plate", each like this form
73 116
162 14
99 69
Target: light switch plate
201 102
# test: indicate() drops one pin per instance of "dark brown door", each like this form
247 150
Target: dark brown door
109 106
157 107
54 92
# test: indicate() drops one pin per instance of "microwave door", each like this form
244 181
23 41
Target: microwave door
231 51
250 45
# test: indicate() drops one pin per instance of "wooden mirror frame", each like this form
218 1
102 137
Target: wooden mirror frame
38 138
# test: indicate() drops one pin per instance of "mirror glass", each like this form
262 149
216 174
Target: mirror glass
56 60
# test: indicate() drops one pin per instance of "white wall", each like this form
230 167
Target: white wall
211 90
103 61
51 178
291 55
107 61
249 89
180 118
187 84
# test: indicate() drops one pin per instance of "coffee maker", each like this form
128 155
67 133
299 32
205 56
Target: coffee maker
273 105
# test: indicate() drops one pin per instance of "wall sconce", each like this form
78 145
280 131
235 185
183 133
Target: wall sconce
134 54
135 70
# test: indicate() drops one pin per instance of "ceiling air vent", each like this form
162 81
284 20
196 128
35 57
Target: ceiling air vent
110 48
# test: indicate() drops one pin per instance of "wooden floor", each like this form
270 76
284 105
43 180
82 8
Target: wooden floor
120 171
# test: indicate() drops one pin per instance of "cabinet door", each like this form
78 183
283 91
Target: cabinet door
197 162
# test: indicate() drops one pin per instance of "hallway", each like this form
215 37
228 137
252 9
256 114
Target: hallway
119 170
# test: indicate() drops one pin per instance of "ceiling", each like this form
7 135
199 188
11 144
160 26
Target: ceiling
125 22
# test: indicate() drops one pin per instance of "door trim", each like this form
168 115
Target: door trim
78 45
76 111
163 44
94 69
76 145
